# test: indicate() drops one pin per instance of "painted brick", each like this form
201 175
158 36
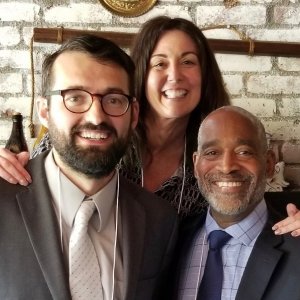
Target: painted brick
287 15
5 129
18 59
11 83
291 152
220 33
233 83
37 86
160 10
290 108
273 145
283 128
283 35
9 36
15 104
243 63
75 12
255 1
289 63
18 11
258 106
269 84
238 15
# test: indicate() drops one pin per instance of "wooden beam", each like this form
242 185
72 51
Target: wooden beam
59 35
123 39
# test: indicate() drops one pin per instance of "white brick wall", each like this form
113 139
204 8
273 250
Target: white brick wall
239 15
267 86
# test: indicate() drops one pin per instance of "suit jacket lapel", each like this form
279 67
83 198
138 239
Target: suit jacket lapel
133 232
261 265
40 222
187 232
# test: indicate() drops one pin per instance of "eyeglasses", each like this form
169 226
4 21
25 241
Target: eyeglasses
80 101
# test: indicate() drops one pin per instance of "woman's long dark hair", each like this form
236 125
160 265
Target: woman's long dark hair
213 93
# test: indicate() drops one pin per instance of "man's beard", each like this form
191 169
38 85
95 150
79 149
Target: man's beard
233 203
90 161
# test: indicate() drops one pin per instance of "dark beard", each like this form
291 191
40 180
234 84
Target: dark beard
92 162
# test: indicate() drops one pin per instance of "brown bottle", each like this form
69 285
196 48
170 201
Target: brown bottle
16 142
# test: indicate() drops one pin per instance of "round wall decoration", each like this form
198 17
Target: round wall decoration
128 8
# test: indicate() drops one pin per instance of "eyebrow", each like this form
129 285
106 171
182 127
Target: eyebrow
239 142
182 55
107 90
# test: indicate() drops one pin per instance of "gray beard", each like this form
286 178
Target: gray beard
229 204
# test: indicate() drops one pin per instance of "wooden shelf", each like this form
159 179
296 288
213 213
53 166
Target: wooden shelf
123 39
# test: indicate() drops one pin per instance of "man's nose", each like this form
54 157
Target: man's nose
228 163
95 114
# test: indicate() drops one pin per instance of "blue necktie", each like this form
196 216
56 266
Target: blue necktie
212 281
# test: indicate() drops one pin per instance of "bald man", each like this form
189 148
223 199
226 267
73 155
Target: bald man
232 164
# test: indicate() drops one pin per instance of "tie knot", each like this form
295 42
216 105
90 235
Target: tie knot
84 213
217 239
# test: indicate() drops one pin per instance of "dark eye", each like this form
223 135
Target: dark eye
188 62
74 98
159 65
211 154
115 99
245 153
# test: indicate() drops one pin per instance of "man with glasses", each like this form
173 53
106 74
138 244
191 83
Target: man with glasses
45 251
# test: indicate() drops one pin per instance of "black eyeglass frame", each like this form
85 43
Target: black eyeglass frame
130 99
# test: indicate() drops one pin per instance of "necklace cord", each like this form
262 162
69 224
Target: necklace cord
183 177
60 215
116 235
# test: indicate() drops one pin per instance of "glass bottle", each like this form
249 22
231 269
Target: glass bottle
16 142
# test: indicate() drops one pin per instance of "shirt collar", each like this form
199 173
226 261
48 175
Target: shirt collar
245 231
67 196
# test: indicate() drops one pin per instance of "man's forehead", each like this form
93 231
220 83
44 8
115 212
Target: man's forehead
227 124
76 58
75 68
223 119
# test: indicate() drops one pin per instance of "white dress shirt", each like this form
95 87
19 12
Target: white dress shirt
67 198
235 253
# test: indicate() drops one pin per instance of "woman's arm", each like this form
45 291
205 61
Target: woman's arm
12 167
289 224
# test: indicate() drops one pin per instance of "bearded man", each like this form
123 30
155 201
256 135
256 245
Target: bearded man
79 230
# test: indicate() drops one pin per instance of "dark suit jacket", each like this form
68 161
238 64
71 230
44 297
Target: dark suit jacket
31 261
273 268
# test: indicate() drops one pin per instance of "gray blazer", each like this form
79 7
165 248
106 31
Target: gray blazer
272 271
31 261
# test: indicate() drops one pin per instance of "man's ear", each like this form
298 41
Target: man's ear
43 111
271 161
134 114
195 159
